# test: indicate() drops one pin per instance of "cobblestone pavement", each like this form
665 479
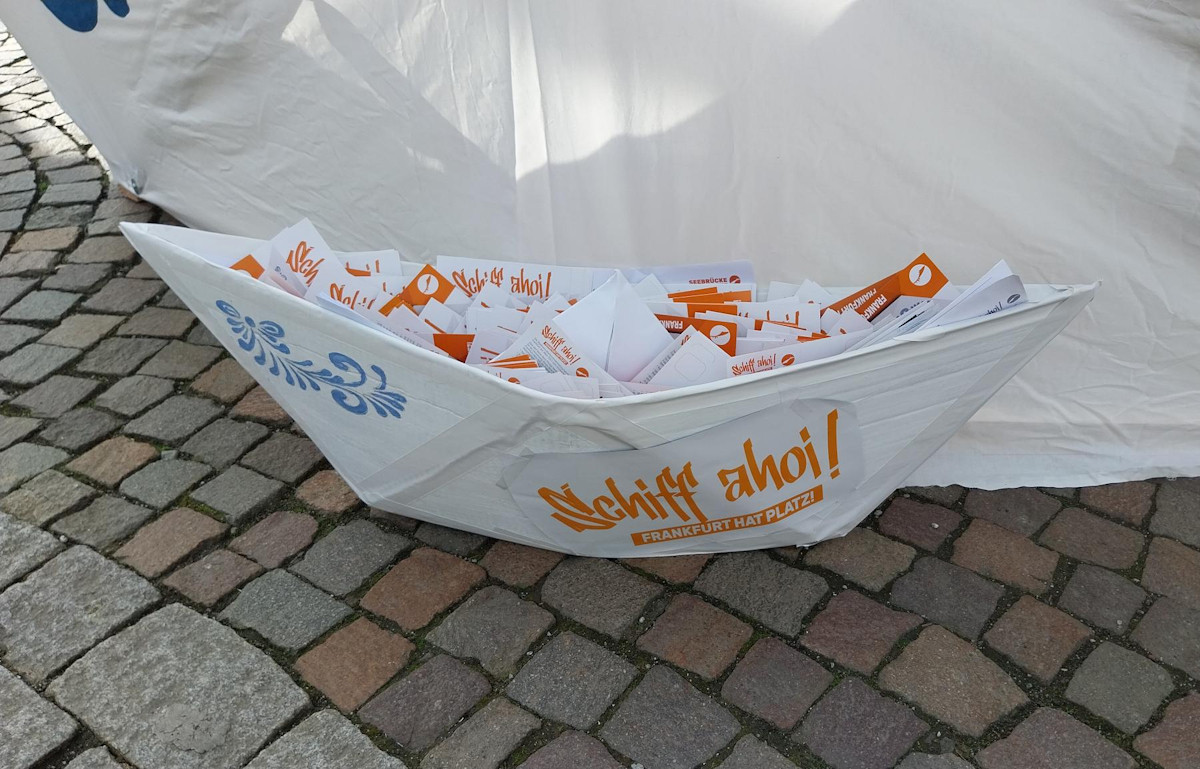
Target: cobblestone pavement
185 583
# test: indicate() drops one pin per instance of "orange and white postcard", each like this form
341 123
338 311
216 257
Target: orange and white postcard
792 354
537 281
440 319
428 285
723 333
921 278
297 255
806 315
486 346
729 273
553 349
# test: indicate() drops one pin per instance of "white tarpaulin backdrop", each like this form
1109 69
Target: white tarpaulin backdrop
831 139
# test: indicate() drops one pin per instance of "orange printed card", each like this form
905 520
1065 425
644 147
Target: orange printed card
393 303
715 298
454 345
722 333
682 296
249 265
514 361
427 285
727 309
921 278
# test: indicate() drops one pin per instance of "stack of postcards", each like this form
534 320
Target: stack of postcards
588 332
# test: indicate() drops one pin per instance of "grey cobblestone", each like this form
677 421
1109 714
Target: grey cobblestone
13 429
22 549
46 497
666 723
70 192
949 595
64 607
575 750
55 217
598 594
180 360
223 441
41 306
175 419
13 336
776 595
78 429
80 173
113 249
750 753
494 627
854 726
157 321
77 277
284 457
1122 687
96 758
284 610
1176 515
33 363
133 395
171 692
21 462
104 522
31 728
324 740
124 296
28 262
12 289
81 331
416 710
451 540
484 740
56 396
571 680
161 483
340 562
118 357
238 493
1102 598
1170 632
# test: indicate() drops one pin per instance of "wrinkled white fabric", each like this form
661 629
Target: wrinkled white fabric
833 139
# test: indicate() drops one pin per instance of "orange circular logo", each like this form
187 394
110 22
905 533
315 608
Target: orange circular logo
719 335
427 285
735 279
920 274
514 380
788 359
581 372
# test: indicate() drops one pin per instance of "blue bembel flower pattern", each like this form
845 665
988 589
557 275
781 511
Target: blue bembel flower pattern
82 15
265 340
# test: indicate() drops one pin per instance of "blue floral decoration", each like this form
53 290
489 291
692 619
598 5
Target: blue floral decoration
82 15
265 340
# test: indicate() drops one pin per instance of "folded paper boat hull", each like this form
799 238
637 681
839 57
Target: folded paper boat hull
421 435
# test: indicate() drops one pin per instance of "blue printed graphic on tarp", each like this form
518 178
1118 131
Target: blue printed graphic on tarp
265 340
82 15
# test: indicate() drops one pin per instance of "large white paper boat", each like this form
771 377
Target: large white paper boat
422 435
